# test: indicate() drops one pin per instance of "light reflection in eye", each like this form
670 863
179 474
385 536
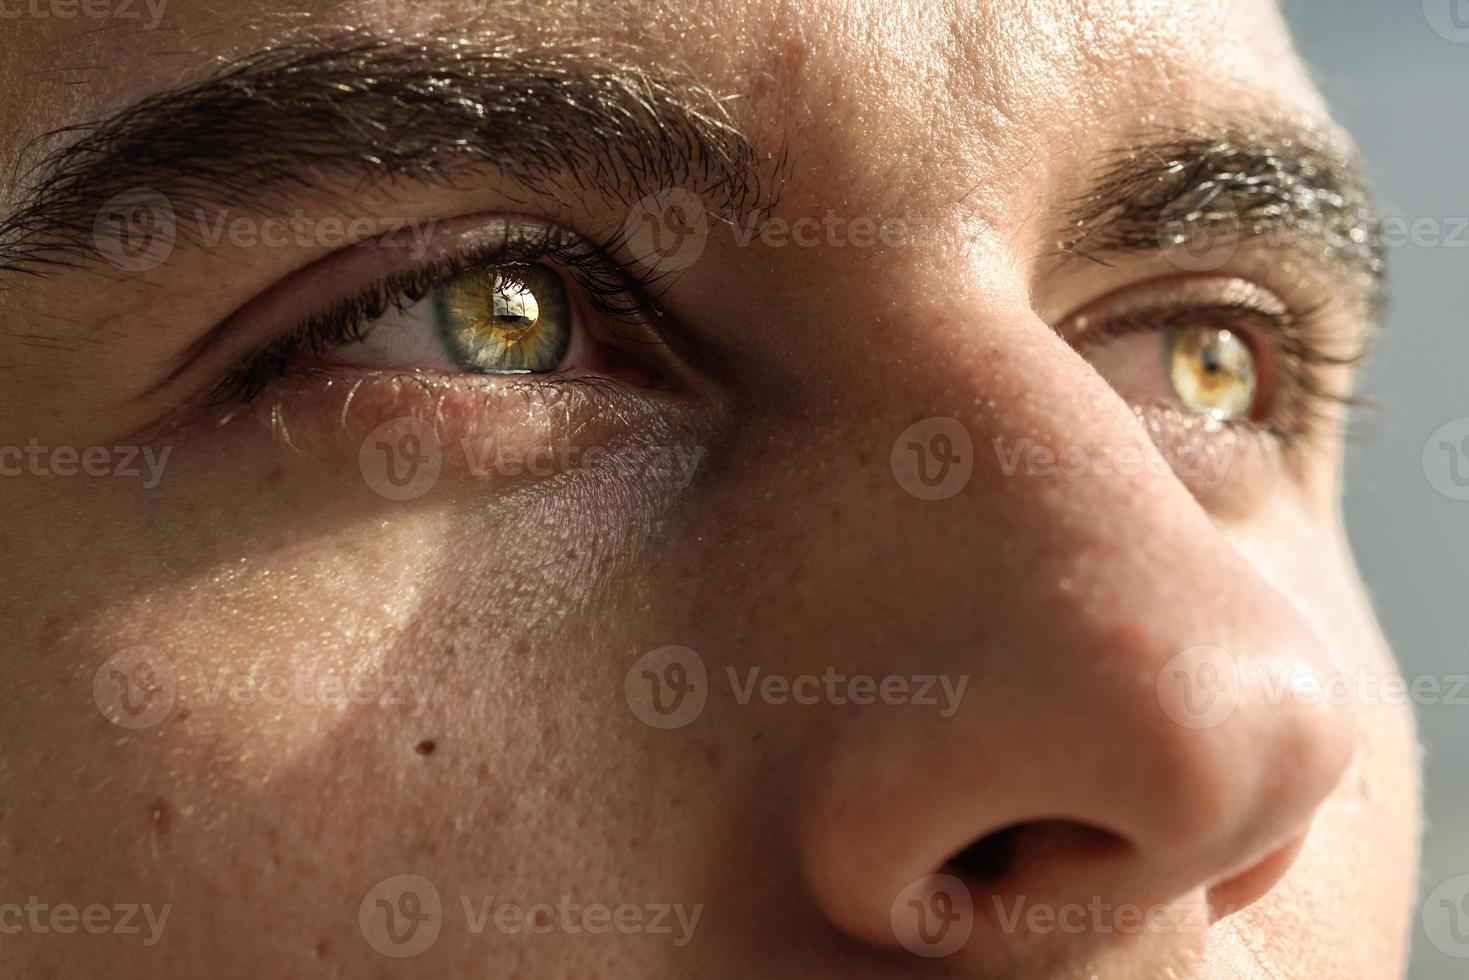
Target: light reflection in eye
1212 370
505 319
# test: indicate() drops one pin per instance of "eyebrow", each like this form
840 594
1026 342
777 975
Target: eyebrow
265 129
1237 185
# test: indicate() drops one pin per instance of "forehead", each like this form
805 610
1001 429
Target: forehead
941 99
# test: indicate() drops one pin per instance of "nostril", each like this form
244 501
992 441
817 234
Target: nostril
1024 847
991 857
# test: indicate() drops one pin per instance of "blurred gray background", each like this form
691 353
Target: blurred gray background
1397 75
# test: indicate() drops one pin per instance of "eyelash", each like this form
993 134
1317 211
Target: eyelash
1301 403
617 295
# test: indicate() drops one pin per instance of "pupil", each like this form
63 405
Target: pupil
514 310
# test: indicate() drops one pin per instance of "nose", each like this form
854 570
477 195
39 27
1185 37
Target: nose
1130 740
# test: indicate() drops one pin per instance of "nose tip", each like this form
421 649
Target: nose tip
1091 818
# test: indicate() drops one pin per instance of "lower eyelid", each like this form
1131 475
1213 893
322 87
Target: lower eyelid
1230 468
461 421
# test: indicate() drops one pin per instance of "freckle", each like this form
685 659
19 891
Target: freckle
160 819
322 948
51 631
426 747
757 736
482 771
712 757
543 917
182 714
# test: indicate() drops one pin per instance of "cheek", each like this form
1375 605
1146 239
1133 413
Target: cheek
344 688
311 632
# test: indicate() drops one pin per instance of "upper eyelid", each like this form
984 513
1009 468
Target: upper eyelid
1165 316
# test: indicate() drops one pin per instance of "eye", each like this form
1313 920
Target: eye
515 299
505 320
1223 351
1212 371
487 319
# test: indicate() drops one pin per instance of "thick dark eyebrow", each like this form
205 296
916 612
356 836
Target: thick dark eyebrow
1178 189
273 126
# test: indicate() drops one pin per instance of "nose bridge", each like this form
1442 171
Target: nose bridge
1120 704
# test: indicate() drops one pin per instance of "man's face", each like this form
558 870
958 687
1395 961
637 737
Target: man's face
786 488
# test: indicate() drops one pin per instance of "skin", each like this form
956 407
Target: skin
1284 837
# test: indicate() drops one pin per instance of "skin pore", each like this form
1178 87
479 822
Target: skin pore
367 678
